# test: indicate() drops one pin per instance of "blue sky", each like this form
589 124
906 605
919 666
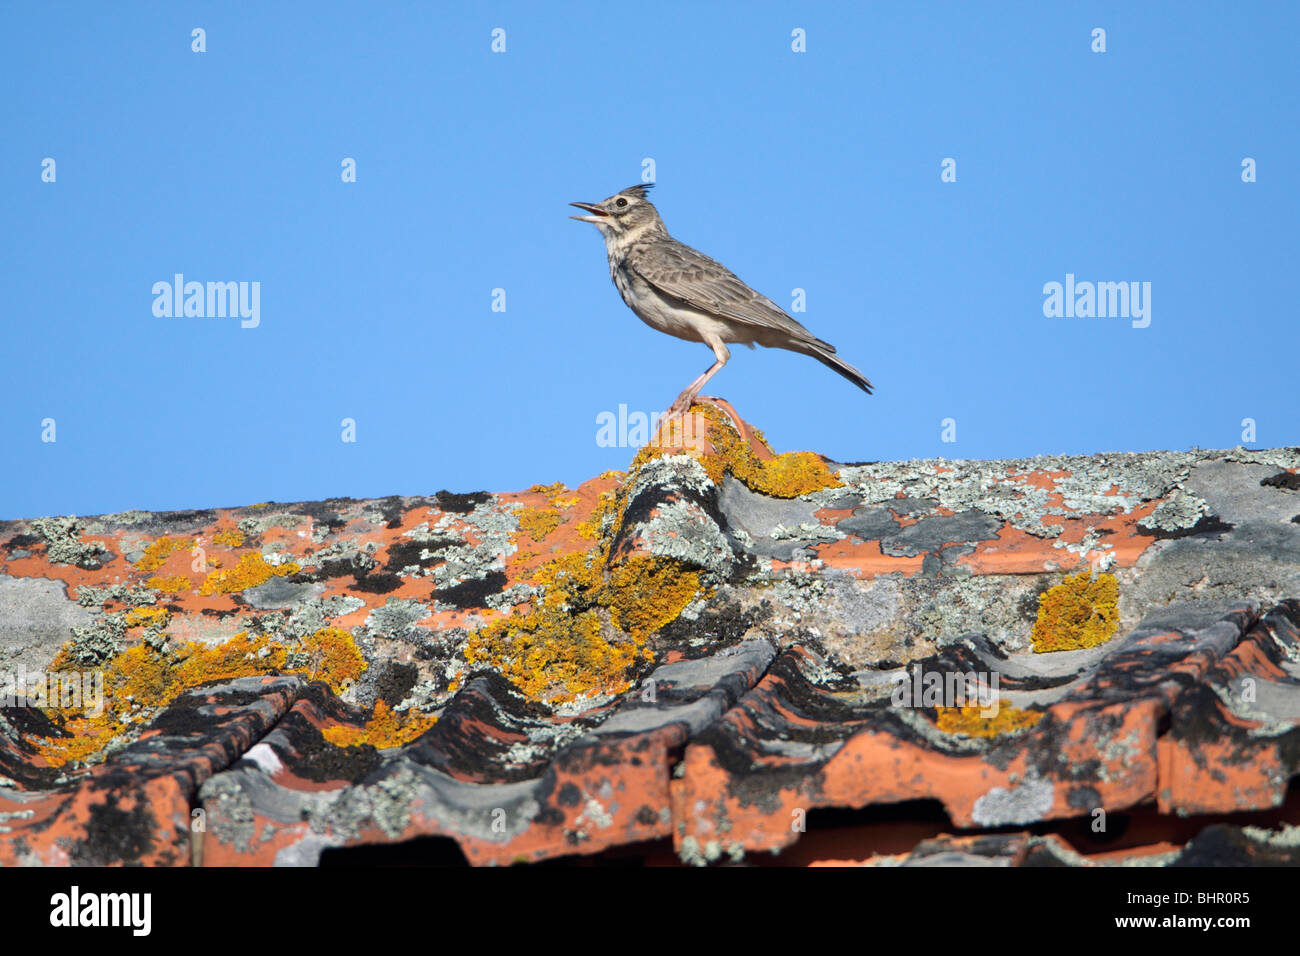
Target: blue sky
818 170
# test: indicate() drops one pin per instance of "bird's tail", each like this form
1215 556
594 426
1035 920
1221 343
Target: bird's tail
824 352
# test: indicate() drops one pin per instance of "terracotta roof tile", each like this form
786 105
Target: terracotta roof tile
703 652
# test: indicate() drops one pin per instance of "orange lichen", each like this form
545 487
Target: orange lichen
789 475
333 657
537 523
587 629
170 585
86 736
567 578
562 648
385 728
158 552
606 508
549 491
555 495
645 593
137 683
241 656
231 538
1081 611
554 658
251 571
970 722
141 680
556 650
147 617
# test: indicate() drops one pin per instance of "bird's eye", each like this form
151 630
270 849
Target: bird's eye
621 203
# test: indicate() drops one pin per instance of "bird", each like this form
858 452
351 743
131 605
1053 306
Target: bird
682 292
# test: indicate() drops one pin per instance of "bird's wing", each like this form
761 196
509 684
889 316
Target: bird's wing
681 272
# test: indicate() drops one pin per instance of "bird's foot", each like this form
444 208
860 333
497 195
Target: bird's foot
681 405
686 402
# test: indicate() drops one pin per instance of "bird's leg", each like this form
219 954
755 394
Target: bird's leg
684 400
688 395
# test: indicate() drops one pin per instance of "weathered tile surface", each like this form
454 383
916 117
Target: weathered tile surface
702 651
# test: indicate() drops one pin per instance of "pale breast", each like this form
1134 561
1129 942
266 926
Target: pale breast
668 316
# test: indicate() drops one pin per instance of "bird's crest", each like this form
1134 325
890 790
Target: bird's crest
639 190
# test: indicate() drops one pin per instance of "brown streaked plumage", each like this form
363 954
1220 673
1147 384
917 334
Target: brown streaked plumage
675 289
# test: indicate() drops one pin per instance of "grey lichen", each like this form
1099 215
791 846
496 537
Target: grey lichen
230 812
259 525
305 619
390 802
544 740
1286 836
386 803
679 473
808 531
514 595
495 524
126 518
692 854
1028 802
64 547
1288 458
98 641
680 526
683 531
1098 484
1179 510
1003 607
361 559
395 619
134 596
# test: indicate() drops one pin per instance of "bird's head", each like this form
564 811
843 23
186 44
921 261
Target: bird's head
624 213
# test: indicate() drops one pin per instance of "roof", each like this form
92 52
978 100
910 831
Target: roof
1074 660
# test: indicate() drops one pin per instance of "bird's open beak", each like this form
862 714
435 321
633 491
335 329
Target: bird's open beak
599 213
